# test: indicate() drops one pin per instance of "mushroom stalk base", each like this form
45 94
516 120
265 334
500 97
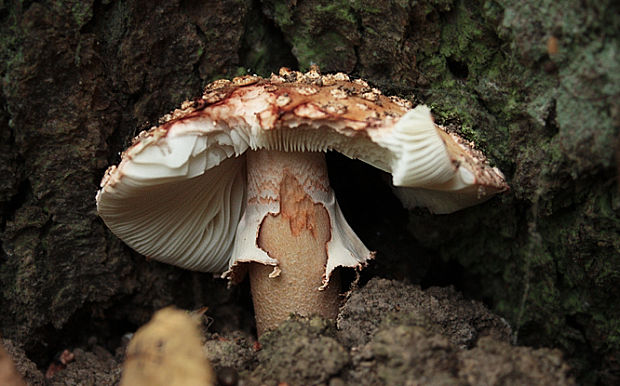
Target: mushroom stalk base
296 237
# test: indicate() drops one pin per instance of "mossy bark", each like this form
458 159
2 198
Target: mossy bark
534 84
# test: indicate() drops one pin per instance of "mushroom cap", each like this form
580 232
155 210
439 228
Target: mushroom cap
179 191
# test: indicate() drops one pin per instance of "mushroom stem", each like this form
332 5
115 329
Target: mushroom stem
296 237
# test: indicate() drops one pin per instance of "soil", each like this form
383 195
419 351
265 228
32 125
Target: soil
387 332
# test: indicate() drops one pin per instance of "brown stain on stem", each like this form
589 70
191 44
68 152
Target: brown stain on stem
297 207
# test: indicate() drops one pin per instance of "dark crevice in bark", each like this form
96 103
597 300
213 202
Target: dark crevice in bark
24 191
101 12
264 48
551 126
457 68
356 48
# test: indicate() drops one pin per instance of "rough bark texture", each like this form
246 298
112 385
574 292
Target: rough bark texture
78 79
536 84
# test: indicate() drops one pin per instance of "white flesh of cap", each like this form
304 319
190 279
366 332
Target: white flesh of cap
169 211
423 171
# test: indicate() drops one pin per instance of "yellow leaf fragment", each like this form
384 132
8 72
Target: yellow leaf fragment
167 351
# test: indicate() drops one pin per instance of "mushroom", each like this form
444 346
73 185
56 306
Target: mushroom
236 181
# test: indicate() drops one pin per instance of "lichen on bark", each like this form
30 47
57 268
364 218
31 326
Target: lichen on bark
548 119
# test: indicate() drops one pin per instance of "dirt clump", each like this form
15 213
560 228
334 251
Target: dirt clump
388 332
